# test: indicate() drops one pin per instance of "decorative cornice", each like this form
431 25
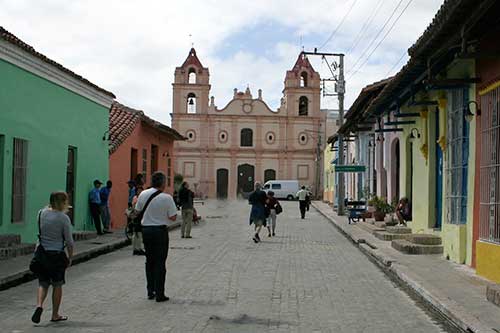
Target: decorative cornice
22 59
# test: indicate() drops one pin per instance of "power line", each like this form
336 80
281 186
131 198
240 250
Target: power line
338 25
383 38
361 34
376 36
396 64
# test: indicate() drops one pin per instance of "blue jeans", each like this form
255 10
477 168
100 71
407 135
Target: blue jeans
105 217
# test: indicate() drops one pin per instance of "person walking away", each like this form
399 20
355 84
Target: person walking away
104 193
186 197
156 207
271 204
403 211
302 195
258 200
308 199
137 246
95 203
55 235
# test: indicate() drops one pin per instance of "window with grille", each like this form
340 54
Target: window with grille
154 158
489 187
246 139
457 158
144 163
19 163
169 170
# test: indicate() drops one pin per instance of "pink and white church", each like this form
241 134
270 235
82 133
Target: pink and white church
228 149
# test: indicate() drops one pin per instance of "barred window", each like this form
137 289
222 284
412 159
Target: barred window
246 137
457 159
19 163
489 187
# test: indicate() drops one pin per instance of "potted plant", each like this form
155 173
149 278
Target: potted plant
381 207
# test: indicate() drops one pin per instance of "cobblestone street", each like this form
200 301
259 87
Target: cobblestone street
308 278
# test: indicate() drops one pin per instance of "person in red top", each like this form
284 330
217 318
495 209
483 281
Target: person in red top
271 205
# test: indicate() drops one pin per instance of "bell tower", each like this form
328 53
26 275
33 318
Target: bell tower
191 86
302 89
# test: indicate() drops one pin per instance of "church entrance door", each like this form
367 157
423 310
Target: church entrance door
246 176
222 182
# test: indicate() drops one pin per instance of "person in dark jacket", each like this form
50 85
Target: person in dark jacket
94 204
258 216
186 197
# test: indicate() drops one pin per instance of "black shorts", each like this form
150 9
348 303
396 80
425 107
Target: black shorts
54 269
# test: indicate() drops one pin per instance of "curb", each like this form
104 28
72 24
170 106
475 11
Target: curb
26 275
447 312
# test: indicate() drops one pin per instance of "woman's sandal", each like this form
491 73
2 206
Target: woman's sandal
37 315
61 318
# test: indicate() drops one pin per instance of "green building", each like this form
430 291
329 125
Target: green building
53 126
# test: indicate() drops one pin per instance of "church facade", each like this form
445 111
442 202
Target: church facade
227 150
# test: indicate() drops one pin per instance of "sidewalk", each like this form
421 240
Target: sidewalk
15 271
452 290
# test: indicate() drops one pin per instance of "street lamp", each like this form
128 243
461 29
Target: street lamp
468 115
414 136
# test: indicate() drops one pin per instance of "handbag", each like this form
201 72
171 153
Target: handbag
278 209
39 259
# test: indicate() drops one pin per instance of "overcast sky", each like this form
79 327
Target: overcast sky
132 47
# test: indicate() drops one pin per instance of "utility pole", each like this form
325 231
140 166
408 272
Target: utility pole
340 91
318 166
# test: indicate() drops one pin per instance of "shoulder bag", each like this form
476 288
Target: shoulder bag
40 256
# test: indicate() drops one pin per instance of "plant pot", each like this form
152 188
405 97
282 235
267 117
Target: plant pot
367 215
379 216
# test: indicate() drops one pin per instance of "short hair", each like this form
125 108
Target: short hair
270 193
58 200
158 179
109 183
303 187
258 186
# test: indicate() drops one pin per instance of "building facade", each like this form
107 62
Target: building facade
228 149
52 123
138 145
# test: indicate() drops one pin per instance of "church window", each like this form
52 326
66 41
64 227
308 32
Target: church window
303 79
303 138
246 139
191 135
191 103
303 106
192 76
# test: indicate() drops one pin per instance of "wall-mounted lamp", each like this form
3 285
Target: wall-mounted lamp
468 115
414 134
104 137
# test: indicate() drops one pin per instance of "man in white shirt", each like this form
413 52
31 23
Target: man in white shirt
302 195
157 208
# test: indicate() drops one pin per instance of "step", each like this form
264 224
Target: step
8 240
84 235
380 224
388 236
16 250
369 227
405 246
424 239
398 230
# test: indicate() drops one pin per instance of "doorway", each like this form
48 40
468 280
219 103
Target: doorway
439 178
70 182
222 183
246 176
395 171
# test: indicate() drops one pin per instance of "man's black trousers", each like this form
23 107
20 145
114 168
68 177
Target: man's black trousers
95 212
156 246
302 206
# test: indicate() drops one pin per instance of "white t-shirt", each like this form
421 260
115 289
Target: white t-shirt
302 195
159 209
